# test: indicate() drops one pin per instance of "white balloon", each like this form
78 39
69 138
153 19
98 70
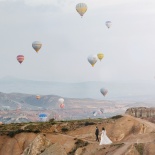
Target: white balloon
95 113
92 59
61 100
37 45
103 91
108 24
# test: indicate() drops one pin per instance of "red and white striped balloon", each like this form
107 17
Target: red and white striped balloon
20 58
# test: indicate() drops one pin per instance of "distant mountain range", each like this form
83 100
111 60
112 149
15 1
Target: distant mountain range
135 91
13 101
20 107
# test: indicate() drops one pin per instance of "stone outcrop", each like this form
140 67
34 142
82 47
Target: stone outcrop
55 149
141 112
38 145
42 146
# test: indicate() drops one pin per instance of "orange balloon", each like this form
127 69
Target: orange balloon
37 97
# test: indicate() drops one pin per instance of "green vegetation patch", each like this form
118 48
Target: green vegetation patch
64 129
13 133
89 123
117 117
140 148
117 145
38 126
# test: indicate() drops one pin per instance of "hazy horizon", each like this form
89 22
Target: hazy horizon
120 90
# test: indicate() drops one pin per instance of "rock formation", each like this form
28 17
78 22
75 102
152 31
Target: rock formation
42 146
55 149
38 146
141 112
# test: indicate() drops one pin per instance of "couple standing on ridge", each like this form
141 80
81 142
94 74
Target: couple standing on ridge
104 138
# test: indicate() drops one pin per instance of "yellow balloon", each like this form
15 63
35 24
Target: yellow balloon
100 56
81 8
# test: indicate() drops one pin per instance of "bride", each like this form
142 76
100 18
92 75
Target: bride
104 138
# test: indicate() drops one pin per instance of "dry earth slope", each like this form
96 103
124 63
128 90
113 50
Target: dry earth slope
130 136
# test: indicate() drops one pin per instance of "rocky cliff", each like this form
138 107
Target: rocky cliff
141 112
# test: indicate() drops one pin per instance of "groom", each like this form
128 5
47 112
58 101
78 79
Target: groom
97 133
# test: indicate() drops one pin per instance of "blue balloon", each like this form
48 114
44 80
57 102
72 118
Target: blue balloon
42 115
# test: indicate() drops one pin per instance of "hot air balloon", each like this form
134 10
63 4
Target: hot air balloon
103 91
37 97
100 56
94 113
62 105
92 59
102 110
20 58
36 45
108 24
61 102
81 8
43 117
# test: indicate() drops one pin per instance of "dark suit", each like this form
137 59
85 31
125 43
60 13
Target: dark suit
97 133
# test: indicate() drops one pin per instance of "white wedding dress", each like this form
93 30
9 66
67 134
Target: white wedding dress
104 138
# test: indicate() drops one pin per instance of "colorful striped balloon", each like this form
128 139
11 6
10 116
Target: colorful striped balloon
20 58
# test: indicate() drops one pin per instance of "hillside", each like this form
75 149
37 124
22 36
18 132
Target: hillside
130 136
18 107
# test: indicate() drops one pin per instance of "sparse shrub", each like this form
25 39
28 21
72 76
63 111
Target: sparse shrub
81 143
117 145
53 123
89 123
51 120
78 143
116 117
29 130
64 129
11 134
36 131
140 148
19 131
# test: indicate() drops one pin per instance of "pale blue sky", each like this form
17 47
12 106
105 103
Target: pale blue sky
68 40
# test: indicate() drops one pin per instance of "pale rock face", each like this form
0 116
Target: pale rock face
38 145
55 149
141 112
42 146
132 151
